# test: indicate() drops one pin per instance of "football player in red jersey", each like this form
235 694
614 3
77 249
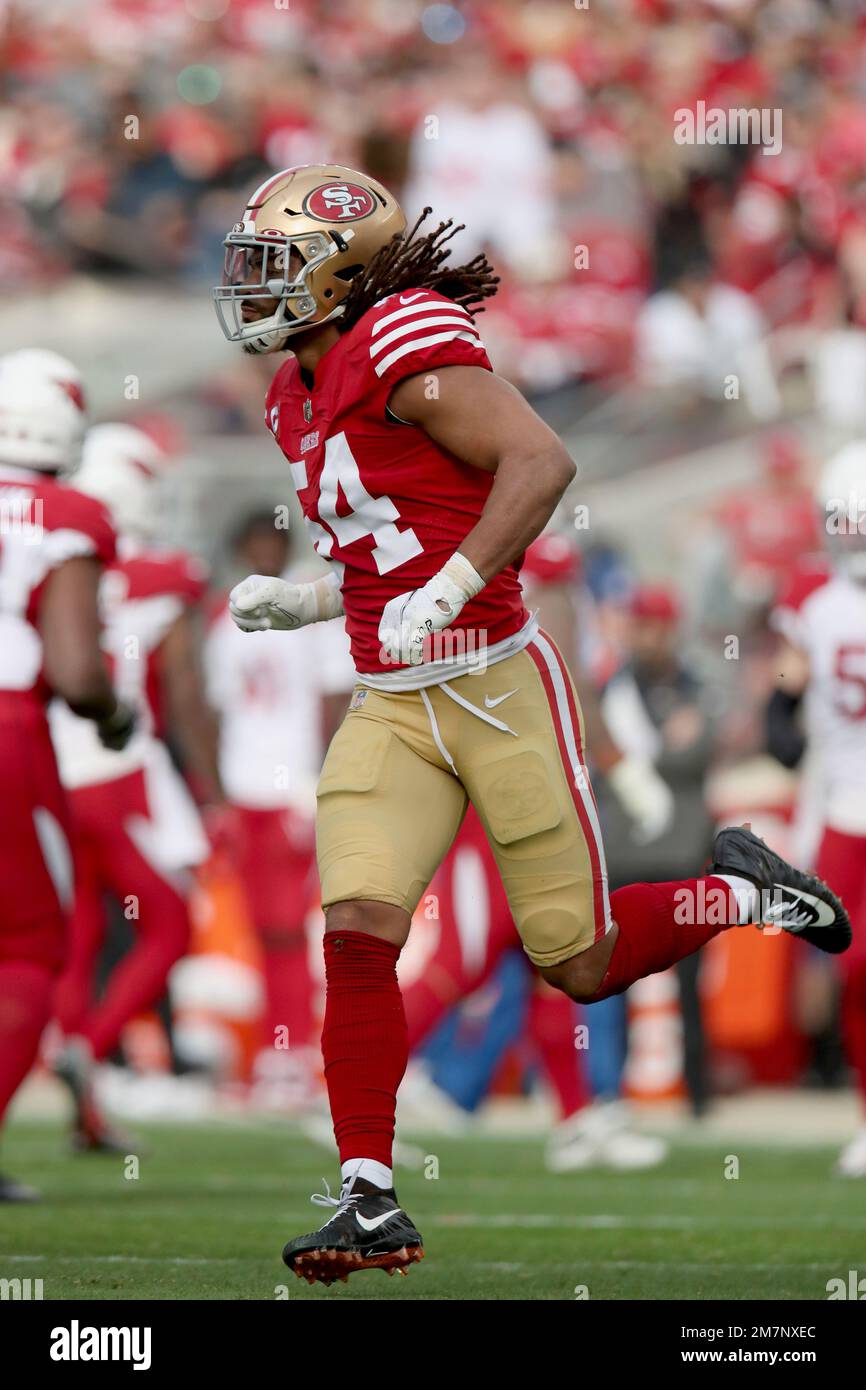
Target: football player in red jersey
54 543
423 477
137 832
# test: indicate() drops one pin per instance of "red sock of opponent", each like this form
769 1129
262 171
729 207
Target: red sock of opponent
288 987
26 992
139 980
552 1020
427 1001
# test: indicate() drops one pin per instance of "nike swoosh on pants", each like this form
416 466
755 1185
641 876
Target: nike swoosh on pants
491 704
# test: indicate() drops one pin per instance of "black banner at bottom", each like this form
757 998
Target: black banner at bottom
286 1339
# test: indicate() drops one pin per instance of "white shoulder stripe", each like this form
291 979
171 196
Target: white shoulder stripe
435 307
403 330
418 343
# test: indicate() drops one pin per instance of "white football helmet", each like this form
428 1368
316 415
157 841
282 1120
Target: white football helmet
42 413
122 467
841 497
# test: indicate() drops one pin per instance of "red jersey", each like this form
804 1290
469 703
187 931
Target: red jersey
141 597
42 524
381 500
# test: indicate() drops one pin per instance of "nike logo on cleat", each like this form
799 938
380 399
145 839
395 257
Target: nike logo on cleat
805 911
377 1221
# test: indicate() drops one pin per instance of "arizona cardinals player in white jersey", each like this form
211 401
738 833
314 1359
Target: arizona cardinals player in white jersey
137 830
54 543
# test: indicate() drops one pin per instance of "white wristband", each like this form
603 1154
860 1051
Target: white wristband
458 581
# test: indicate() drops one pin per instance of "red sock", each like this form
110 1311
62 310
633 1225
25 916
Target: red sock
74 993
364 1042
26 991
552 1020
288 987
139 980
661 923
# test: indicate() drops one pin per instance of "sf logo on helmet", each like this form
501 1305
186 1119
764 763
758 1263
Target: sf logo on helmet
339 202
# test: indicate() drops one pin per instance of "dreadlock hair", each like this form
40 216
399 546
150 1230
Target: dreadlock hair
409 262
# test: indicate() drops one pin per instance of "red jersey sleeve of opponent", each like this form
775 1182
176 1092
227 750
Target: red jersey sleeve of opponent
172 575
418 331
62 524
72 525
154 590
81 519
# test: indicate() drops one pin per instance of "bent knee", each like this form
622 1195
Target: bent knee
375 918
581 976
577 981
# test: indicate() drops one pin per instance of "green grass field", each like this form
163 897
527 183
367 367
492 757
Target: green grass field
212 1206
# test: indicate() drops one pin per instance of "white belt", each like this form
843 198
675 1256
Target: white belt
437 672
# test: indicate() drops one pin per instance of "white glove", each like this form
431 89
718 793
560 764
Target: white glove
644 796
409 619
262 602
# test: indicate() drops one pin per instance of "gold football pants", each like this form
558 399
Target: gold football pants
403 766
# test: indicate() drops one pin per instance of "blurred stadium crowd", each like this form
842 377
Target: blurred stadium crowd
637 275
129 128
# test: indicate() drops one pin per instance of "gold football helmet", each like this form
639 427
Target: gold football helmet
305 234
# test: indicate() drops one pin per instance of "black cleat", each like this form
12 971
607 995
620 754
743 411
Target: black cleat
12 1191
93 1135
797 902
367 1231
91 1132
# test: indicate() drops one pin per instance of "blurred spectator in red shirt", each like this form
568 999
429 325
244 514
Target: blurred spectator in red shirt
771 527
